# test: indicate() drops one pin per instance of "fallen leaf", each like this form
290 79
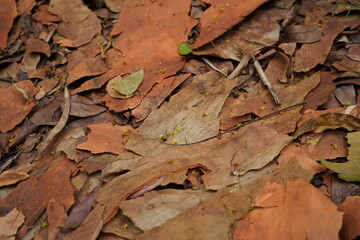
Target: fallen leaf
8 13
351 221
13 105
348 171
106 138
156 207
321 93
45 17
130 84
84 107
10 224
34 45
221 16
302 33
56 216
86 67
69 10
10 177
115 5
295 204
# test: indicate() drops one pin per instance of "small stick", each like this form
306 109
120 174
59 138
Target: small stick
239 125
266 82
242 64
213 67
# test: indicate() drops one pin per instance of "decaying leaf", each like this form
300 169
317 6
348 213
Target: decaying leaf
348 171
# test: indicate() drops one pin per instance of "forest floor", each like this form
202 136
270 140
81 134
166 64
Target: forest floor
155 119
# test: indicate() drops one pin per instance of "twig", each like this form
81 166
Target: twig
265 80
59 126
239 125
8 79
213 67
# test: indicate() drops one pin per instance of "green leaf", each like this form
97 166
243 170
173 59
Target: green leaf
350 170
184 48
130 84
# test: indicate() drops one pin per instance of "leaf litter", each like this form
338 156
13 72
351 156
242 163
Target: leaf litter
179 119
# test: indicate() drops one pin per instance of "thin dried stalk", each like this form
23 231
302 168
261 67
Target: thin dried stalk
266 82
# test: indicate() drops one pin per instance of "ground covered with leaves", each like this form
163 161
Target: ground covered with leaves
159 119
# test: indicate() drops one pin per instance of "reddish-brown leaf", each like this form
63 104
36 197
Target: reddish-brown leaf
14 107
290 212
351 223
8 12
221 16
106 138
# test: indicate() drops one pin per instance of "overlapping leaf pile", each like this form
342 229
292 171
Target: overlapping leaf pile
108 132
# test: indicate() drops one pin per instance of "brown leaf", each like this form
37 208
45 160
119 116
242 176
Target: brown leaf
351 222
106 138
321 93
54 184
79 33
84 107
69 10
87 67
289 212
8 12
302 33
38 46
14 106
10 224
10 177
56 216
221 16
45 17
156 207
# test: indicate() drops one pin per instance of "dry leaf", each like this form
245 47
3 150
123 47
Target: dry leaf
10 224
295 214
8 12
351 223
14 107
10 177
106 138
